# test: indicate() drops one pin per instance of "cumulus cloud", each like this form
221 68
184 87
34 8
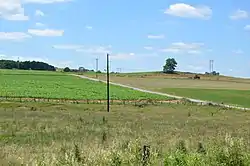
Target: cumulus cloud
239 14
12 10
189 11
46 32
14 36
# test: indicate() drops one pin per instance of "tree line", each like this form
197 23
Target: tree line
26 65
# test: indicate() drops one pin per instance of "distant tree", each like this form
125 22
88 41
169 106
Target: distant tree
215 73
26 65
66 69
170 65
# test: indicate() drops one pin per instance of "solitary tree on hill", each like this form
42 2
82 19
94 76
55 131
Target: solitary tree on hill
66 69
170 65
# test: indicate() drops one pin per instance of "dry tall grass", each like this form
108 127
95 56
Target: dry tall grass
75 134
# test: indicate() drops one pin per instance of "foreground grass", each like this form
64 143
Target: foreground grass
226 96
41 84
47 134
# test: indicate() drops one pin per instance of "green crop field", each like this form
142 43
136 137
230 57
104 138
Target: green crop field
235 92
76 134
226 96
38 84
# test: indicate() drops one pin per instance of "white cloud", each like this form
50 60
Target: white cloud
239 51
180 47
89 27
239 14
193 52
68 47
85 49
45 1
148 48
12 10
189 11
38 24
170 50
95 49
156 36
39 13
46 32
247 27
15 36
122 56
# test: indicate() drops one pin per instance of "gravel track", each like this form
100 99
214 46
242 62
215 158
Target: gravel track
202 102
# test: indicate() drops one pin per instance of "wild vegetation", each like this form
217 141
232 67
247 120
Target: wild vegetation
48 134
140 134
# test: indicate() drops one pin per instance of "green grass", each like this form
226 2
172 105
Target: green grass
47 134
227 96
40 84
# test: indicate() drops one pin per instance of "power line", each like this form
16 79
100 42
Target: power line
119 70
212 65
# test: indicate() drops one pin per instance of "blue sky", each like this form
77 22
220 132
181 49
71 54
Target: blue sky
139 35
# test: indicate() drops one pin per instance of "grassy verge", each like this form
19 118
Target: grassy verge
49 134
236 97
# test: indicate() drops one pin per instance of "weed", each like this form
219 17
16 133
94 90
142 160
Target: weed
181 147
201 148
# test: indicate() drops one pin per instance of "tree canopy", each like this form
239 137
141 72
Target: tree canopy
170 65
26 65
66 69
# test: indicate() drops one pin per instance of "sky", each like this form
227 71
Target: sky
138 35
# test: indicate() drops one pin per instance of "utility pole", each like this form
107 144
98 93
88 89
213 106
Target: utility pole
108 82
96 68
18 63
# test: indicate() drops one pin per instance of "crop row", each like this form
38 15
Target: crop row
63 86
